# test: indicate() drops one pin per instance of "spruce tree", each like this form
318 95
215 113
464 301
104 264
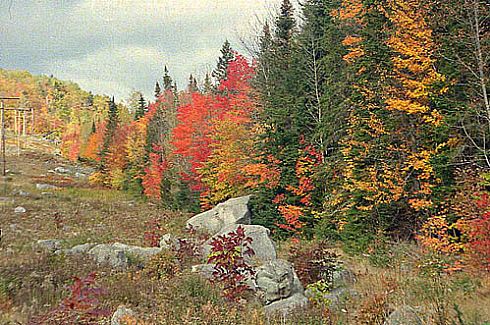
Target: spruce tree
192 86
158 90
141 109
208 85
285 26
276 83
112 122
323 79
89 102
167 80
227 55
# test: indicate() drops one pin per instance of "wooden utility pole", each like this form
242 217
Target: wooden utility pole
2 131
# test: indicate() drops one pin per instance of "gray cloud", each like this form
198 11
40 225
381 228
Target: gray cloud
116 46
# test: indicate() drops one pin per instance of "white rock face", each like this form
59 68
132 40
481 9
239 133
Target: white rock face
232 212
274 281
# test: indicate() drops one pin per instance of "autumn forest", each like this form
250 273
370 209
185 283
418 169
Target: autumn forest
360 126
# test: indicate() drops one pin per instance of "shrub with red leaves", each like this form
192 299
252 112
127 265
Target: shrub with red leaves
154 233
478 233
80 307
231 270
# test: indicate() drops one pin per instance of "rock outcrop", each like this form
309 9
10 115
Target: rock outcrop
232 212
275 282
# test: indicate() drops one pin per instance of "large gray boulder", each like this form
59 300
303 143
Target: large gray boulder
107 254
119 255
284 307
276 280
232 212
262 244
141 253
404 315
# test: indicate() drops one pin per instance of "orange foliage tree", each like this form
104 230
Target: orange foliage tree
390 144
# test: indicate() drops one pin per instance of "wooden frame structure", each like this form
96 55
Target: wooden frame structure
20 113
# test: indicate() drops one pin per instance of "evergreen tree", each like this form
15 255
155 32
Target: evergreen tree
192 86
276 83
167 80
112 122
285 25
158 90
89 102
141 109
208 85
227 55
323 81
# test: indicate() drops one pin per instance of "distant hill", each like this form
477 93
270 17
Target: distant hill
55 102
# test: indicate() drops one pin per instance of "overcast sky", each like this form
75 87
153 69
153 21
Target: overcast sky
116 46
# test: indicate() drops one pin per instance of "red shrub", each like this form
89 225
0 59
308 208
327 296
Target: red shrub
80 307
230 267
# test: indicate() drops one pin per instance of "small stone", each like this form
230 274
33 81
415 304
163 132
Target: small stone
20 210
61 170
44 187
